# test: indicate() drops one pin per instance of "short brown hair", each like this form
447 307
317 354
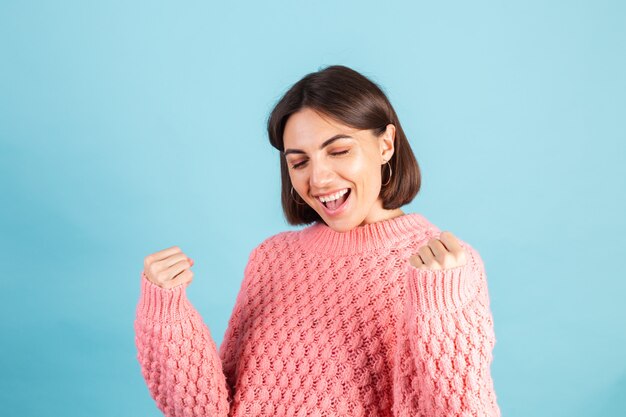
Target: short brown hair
347 96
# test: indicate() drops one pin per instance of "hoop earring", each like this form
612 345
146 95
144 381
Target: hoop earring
296 201
390 174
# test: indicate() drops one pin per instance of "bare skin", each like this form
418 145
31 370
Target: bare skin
168 268
171 267
353 162
442 253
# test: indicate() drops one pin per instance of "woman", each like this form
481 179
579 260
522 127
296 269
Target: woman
367 311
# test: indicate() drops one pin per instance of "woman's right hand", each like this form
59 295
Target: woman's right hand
168 268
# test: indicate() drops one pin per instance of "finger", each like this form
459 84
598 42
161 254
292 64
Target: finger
184 277
416 261
165 270
163 265
438 249
162 276
176 269
428 257
455 246
451 242
158 256
172 260
162 268
442 256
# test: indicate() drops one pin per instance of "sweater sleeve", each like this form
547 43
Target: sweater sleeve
446 341
177 355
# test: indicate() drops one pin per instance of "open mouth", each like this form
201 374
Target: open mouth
338 200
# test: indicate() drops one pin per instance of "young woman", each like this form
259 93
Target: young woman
367 311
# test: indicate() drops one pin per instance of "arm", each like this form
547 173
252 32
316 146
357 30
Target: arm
177 354
446 340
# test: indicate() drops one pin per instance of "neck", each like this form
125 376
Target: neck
364 238
386 215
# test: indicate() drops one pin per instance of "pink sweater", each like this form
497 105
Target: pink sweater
329 324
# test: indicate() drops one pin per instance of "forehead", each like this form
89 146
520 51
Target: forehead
307 127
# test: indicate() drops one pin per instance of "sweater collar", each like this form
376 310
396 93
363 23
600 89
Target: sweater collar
383 234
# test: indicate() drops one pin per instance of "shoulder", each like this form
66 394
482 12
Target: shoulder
273 244
420 229
268 253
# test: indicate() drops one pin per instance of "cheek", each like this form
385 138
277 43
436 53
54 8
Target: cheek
367 178
359 169
367 173
296 181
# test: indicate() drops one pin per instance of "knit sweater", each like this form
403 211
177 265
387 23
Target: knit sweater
329 324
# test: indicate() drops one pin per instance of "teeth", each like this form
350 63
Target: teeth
333 196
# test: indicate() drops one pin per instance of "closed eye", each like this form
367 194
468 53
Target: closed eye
301 164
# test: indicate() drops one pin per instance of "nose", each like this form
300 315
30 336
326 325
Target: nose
321 175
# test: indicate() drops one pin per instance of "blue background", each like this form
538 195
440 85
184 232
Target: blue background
129 127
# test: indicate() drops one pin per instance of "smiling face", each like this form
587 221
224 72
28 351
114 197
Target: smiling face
336 169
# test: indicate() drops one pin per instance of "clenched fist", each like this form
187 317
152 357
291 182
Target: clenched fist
168 268
443 253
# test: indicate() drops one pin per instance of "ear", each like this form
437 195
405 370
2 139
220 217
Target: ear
386 142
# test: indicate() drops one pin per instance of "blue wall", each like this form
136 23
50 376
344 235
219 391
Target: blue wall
129 127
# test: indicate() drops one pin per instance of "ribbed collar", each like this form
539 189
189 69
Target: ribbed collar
383 234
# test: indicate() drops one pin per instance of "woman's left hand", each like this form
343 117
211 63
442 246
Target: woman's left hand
443 253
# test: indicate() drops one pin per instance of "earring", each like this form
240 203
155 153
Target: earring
390 174
291 193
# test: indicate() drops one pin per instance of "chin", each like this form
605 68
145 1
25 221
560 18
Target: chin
342 225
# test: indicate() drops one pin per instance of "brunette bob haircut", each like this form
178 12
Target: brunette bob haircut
345 95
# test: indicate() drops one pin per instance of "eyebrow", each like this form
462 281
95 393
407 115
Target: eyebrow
326 143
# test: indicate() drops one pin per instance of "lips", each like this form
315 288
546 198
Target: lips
327 195
332 209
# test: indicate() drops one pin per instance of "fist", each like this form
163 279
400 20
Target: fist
445 252
168 268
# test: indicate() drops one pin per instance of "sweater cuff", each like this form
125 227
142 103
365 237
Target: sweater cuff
442 289
162 304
